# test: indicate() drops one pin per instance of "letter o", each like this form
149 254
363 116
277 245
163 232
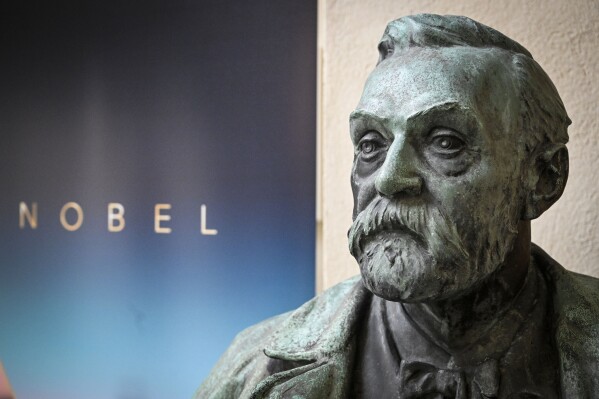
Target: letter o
63 216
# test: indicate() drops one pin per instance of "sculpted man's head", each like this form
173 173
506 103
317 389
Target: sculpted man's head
459 141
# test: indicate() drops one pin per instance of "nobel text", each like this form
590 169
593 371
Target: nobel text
71 217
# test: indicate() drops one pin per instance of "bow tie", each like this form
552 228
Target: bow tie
421 380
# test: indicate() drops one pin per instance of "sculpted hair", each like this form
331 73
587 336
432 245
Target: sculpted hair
543 116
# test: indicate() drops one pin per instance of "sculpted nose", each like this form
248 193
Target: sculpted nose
398 173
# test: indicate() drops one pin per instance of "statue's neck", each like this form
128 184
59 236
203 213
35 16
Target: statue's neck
459 322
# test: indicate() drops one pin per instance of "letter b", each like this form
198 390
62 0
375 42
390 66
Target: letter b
116 217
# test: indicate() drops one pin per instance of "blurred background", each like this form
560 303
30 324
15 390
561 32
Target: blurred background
187 104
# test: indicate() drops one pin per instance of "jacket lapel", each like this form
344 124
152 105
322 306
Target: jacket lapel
312 352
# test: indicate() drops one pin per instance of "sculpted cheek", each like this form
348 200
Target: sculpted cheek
362 182
365 169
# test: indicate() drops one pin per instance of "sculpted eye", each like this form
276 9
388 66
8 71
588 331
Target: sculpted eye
446 144
370 145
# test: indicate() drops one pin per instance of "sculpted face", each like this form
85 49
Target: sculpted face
437 172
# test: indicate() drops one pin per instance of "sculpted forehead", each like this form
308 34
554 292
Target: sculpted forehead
479 79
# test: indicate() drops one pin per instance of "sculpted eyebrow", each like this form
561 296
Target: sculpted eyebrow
446 108
359 118
360 114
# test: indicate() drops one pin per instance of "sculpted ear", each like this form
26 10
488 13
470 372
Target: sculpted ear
547 176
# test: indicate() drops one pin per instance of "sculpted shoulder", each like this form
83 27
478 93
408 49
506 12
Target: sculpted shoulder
576 325
575 295
284 341
240 363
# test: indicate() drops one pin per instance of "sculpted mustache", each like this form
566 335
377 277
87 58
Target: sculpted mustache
425 221
381 215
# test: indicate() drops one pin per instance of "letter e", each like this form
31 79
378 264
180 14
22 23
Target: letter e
159 217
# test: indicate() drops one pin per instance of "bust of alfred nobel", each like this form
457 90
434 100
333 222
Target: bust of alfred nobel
459 142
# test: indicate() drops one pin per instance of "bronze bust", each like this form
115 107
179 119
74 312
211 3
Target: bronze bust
459 142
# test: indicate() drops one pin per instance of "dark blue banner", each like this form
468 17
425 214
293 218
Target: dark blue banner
158 180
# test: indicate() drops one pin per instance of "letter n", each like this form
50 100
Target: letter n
26 215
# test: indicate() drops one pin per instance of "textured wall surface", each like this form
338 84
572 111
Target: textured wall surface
563 37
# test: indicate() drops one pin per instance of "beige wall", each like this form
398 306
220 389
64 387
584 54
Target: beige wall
562 35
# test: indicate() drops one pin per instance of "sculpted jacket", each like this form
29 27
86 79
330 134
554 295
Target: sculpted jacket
309 353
